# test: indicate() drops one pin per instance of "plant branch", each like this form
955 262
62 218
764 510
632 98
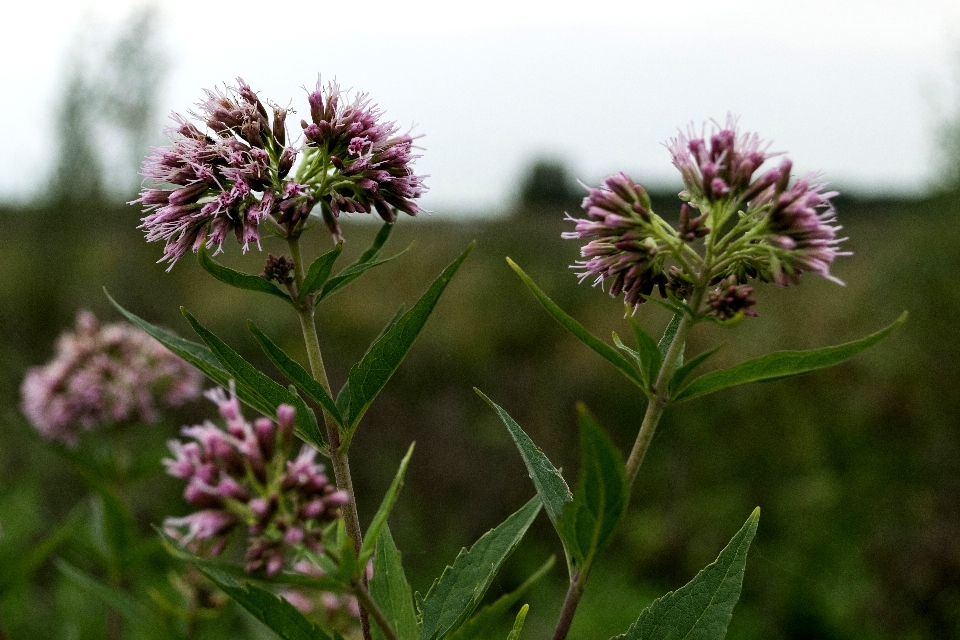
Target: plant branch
367 604
570 602
338 454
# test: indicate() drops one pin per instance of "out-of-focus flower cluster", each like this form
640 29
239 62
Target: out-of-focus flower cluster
239 170
104 375
338 611
240 476
752 226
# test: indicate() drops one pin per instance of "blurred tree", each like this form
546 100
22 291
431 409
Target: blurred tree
547 183
107 111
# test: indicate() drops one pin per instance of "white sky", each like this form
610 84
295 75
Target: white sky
849 87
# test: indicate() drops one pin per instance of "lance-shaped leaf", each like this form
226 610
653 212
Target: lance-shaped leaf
368 377
196 354
343 396
518 623
277 614
683 371
238 279
701 609
296 373
604 350
457 592
648 350
782 364
366 261
551 487
319 271
588 523
668 335
138 616
386 506
476 627
391 591
270 391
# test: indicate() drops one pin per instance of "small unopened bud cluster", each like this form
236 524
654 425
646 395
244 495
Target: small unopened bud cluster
751 227
240 477
104 375
731 299
278 268
238 172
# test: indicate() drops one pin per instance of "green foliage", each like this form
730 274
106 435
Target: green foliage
238 279
318 272
551 487
391 591
277 614
781 364
364 263
458 591
478 625
19 568
648 351
604 350
260 385
386 506
137 615
701 609
518 623
368 377
668 335
296 373
588 523
683 371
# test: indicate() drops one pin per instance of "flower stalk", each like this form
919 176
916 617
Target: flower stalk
338 454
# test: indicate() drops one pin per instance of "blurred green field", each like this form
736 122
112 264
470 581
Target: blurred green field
856 469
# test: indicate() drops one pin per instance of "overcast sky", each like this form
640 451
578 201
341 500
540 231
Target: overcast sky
849 87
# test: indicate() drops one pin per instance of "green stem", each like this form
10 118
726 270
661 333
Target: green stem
338 454
367 604
661 390
570 602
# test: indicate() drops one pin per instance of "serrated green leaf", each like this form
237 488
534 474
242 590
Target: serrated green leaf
137 615
277 614
238 279
782 364
551 487
296 373
386 506
648 350
391 591
683 372
518 623
477 626
368 377
343 396
269 391
668 335
600 347
319 271
197 355
701 609
588 523
457 592
354 271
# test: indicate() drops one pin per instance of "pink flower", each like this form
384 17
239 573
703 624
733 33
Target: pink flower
104 375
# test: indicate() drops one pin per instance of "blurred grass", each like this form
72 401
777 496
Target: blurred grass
857 469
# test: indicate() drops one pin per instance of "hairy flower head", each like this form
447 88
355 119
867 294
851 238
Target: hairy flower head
239 167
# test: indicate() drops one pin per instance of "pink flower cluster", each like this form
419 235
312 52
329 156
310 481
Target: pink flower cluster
240 476
621 247
104 375
237 173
